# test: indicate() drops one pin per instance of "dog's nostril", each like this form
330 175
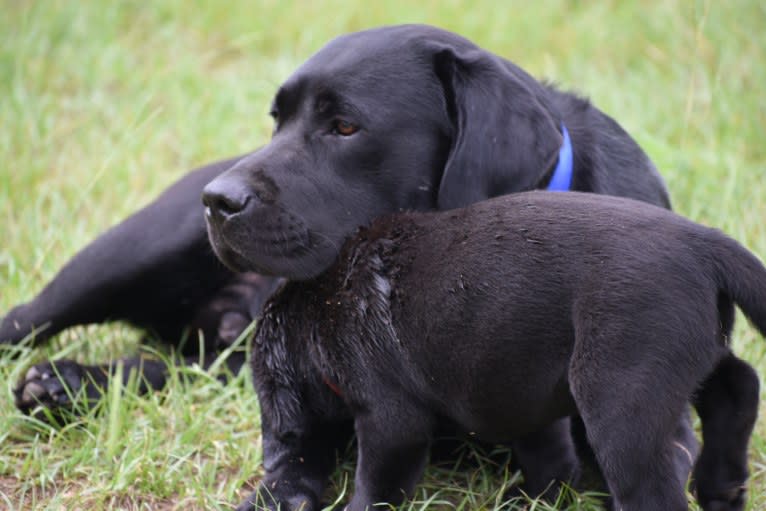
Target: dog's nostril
230 205
223 200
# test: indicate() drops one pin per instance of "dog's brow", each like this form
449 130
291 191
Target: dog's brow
279 99
331 102
325 101
286 98
323 105
294 93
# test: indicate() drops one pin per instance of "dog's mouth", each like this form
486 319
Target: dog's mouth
276 244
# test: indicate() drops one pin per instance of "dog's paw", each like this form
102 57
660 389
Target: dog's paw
223 318
15 327
731 500
63 385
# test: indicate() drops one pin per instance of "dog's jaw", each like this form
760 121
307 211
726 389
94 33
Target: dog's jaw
279 245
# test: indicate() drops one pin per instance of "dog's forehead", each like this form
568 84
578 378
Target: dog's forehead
376 70
372 63
379 52
360 57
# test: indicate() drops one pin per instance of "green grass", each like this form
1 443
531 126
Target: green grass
102 104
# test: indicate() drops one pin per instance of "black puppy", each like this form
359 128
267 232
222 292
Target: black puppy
507 315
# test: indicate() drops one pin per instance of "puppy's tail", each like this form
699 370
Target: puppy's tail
742 277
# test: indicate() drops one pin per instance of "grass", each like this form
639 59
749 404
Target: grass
102 104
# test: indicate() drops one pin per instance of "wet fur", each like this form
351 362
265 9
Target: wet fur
507 315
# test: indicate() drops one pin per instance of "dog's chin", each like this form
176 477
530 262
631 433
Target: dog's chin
229 258
292 262
303 267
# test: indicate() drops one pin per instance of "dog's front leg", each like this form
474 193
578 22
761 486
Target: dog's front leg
154 269
298 465
303 425
393 450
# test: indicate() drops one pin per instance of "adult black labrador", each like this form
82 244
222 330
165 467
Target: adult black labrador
446 124
509 314
397 118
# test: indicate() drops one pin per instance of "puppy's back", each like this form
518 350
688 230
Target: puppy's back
524 259
460 307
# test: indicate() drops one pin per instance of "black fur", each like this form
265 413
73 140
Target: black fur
441 123
510 314
432 105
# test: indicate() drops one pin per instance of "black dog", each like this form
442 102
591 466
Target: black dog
398 118
507 315
445 124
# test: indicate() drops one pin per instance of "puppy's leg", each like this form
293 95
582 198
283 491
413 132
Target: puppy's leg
727 404
303 421
685 450
547 458
591 478
686 447
634 452
298 462
630 403
393 440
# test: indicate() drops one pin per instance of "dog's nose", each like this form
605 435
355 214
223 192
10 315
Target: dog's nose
225 197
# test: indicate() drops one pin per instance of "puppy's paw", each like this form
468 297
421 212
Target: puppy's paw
731 500
63 385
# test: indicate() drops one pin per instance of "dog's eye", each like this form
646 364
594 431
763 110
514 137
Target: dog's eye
344 128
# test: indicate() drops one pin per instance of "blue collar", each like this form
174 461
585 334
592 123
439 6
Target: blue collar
561 180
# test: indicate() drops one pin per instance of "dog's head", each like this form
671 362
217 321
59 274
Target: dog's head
390 119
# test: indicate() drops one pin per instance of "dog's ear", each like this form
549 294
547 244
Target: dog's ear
504 138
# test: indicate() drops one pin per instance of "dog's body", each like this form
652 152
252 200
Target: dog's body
509 314
446 124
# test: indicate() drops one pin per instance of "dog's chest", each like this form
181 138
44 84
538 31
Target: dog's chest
354 335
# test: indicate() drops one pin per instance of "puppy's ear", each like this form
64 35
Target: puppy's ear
504 139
